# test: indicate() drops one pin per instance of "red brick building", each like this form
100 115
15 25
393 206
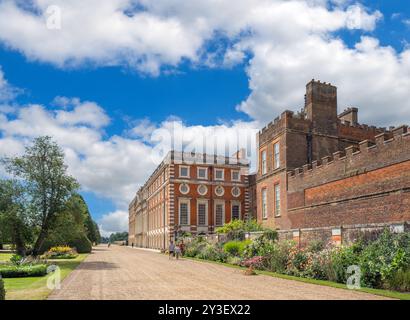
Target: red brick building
324 175
192 193
320 175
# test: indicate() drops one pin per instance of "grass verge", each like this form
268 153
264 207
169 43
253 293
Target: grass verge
35 288
4 257
379 292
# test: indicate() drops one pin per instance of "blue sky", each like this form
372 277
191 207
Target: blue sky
214 71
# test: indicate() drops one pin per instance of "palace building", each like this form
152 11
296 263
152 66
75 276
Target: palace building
192 193
320 175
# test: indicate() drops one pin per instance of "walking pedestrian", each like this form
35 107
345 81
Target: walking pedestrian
177 251
171 249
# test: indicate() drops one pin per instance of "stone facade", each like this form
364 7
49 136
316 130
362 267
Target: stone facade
192 193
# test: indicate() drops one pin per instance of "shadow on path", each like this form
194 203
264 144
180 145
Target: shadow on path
98 265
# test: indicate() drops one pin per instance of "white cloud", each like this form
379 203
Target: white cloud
289 42
112 222
7 92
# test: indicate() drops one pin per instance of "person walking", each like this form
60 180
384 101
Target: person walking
182 247
177 251
171 249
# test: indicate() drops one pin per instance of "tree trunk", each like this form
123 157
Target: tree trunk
18 241
39 242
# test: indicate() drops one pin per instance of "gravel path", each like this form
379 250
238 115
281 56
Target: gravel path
123 273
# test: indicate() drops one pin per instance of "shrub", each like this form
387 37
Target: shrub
234 260
82 244
193 248
297 262
254 263
13 271
16 259
236 229
319 264
399 281
212 252
384 257
341 259
236 248
277 256
2 290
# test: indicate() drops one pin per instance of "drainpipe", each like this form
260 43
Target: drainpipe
164 215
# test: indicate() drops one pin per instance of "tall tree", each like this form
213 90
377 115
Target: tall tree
46 182
14 223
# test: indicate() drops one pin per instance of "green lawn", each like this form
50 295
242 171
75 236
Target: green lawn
5 257
35 288
380 292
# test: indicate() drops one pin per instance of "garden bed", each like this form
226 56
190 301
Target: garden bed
383 263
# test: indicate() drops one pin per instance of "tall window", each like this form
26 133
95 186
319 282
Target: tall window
263 162
219 214
236 215
276 155
202 173
264 204
277 200
183 213
202 214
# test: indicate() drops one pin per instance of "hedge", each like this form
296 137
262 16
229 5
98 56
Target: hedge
12 271
82 244
2 290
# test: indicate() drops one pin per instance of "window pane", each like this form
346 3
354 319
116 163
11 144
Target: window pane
183 210
219 174
264 204
202 173
263 162
235 175
277 155
184 172
219 215
235 212
277 199
202 214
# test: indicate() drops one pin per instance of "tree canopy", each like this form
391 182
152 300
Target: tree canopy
44 201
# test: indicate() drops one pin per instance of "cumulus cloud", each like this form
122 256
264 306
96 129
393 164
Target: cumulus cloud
289 42
112 222
7 92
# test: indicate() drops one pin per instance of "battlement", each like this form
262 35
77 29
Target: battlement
364 127
287 119
388 144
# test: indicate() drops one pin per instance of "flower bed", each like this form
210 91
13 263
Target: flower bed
61 252
383 263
